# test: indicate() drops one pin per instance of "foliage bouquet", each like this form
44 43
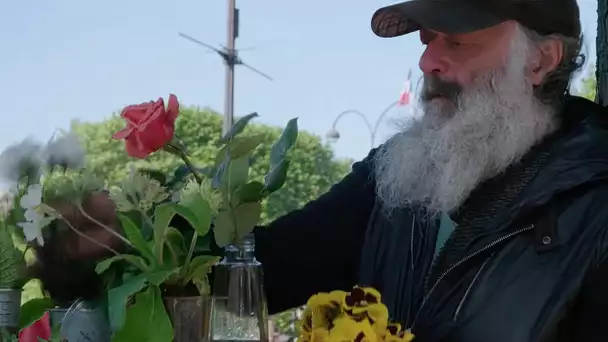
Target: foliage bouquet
171 243
357 315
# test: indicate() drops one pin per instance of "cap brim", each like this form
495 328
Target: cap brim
437 15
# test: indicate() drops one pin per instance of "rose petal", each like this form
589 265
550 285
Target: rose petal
135 114
123 133
135 148
172 108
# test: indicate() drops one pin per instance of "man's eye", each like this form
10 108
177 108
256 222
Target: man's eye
454 43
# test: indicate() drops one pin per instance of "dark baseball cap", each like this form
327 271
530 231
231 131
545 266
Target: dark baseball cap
463 16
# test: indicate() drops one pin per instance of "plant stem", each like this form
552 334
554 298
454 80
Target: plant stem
189 255
188 163
79 233
110 230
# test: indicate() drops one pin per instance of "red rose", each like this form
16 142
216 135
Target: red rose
41 329
150 126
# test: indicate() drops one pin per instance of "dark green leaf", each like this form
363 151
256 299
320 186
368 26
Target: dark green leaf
158 277
276 177
250 192
33 310
285 143
237 128
134 235
233 225
105 264
239 147
146 320
201 209
238 172
118 297
175 243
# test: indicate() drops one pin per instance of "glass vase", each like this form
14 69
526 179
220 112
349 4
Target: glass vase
238 309
190 318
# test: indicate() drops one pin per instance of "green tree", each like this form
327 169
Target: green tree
588 85
313 169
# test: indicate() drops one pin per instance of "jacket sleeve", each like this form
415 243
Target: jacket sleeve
589 318
317 248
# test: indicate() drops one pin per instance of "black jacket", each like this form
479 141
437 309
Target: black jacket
539 273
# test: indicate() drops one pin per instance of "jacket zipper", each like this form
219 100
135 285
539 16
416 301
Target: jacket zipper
463 260
466 293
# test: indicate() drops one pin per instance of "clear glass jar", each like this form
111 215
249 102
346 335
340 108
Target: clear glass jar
238 309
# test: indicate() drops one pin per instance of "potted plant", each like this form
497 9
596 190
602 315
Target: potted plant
167 222
39 175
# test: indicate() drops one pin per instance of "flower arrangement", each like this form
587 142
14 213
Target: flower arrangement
356 315
166 220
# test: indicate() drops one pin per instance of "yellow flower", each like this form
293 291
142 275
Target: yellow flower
361 297
396 334
324 308
346 329
319 335
364 303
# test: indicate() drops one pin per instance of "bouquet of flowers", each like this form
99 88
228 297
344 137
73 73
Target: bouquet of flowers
357 315
166 220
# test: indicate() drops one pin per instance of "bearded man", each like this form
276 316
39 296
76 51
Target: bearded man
485 220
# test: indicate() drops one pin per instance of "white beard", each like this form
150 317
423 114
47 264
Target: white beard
439 159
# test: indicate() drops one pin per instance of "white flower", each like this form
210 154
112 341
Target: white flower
32 231
65 151
35 218
32 197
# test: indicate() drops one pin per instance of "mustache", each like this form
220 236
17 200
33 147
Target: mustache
433 86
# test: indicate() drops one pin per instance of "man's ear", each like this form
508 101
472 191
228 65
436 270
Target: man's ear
548 57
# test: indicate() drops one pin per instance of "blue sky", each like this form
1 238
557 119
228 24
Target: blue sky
68 59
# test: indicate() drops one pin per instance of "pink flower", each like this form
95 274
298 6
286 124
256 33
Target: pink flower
150 126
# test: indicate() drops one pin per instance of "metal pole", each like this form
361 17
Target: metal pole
230 62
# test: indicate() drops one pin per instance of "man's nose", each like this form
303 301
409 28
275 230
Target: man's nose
432 61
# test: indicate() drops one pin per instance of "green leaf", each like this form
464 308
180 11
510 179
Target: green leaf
239 147
176 246
146 320
133 234
250 192
237 128
105 264
12 264
198 272
33 310
164 213
285 143
233 225
118 297
238 172
201 209
276 177
158 277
